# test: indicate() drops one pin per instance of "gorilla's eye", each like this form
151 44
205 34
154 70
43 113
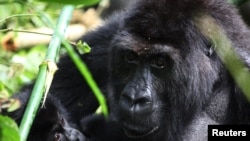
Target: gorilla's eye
131 57
159 63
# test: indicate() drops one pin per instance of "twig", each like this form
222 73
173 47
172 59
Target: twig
17 15
25 31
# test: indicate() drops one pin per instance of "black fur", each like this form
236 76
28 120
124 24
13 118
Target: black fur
162 79
52 123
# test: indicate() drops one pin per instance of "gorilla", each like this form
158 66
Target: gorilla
52 123
158 67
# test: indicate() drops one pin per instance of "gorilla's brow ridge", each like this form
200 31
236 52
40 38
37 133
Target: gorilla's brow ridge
151 49
140 46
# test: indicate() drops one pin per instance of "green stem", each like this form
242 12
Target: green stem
17 15
25 31
38 90
87 75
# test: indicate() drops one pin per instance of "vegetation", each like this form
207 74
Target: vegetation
13 64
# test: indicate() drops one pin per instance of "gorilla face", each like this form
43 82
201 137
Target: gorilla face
157 84
137 87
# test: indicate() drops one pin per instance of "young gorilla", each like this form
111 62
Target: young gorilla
51 123
158 70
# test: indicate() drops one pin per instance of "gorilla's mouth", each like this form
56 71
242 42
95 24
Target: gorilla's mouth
135 133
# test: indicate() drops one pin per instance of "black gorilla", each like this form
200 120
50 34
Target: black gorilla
52 123
158 70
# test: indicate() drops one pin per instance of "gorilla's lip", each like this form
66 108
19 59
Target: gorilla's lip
133 133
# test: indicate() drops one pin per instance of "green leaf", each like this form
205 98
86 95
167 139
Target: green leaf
8 129
99 110
52 68
83 47
14 105
237 2
74 2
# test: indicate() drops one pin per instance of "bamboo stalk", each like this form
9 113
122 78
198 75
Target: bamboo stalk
39 88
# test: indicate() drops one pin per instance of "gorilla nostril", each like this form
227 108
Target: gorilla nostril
142 101
127 99
132 100
136 103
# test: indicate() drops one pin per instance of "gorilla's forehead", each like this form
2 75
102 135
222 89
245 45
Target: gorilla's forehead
141 46
157 25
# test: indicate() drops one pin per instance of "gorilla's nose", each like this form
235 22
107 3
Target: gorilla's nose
136 103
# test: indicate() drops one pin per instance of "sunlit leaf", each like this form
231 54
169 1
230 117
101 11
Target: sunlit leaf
8 129
83 47
99 110
14 105
52 68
